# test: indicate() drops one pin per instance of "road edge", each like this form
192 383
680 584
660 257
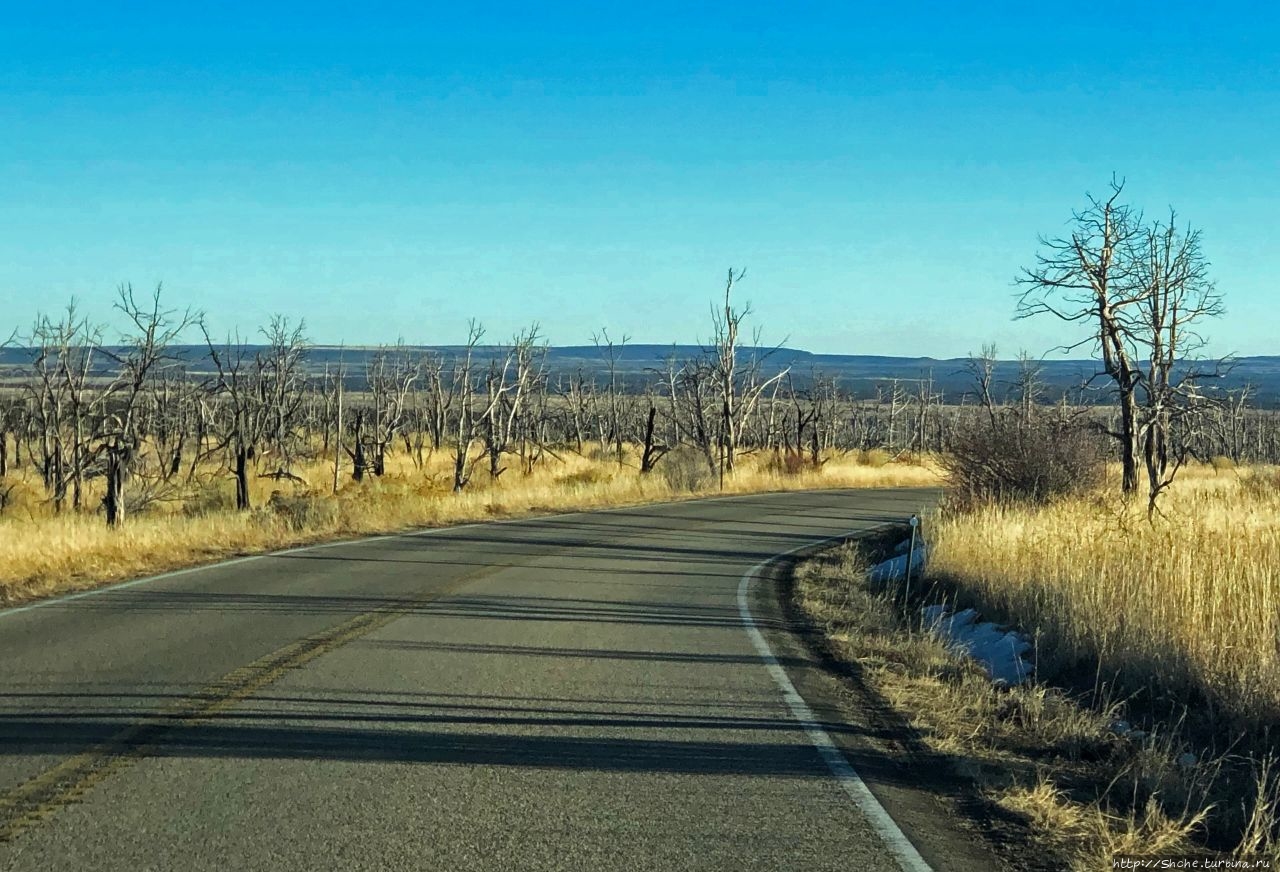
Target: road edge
897 842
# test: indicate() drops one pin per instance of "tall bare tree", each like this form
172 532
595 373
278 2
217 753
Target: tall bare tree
1176 297
739 383
1144 289
1090 278
144 348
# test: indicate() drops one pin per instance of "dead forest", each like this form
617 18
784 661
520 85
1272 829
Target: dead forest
124 420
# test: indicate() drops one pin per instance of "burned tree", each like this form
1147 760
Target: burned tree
1090 278
610 351
739 384
1144 289
281 379
390 377
240 420
1175 295
463 387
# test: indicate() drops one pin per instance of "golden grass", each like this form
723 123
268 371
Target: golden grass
1086 794
1190 602
42 554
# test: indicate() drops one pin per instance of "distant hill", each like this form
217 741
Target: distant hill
861 374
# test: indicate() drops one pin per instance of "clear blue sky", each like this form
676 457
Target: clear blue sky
393 170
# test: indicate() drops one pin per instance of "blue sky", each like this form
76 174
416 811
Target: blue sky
391 170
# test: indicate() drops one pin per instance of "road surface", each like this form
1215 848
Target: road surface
571 692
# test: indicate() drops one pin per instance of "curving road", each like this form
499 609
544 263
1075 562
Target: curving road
570 692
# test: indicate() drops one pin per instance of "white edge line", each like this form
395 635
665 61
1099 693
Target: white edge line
895 840
360 540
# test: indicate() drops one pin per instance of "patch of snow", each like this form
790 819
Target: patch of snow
1120 727
895 568
1000 652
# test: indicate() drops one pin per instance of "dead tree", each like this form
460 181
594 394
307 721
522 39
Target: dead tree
145 348
464 389
982 370
1090 278
739 387
281 383
653 450
696 386
241 422
610 352
726 324
1175 295
390 376
509 385
63 402
579 396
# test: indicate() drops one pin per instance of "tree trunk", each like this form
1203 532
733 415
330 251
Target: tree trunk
1129 441
242 478
647 460
114 500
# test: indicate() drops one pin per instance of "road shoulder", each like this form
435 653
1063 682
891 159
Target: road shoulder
940 812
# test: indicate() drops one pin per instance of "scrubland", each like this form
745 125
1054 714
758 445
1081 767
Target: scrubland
44 553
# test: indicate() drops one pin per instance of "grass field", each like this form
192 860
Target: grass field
43 554
1188 606
1169 627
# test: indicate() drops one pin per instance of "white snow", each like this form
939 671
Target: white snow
896 568
1001 652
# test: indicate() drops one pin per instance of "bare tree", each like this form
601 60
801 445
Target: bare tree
739 388
390 376
464 389
610 351
982 369
241 424
1090 278
281 379
1176 296
144 348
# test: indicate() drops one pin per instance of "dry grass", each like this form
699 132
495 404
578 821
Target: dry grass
42 554
1087 793
1188 605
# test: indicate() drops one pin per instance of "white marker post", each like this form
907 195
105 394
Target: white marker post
911 558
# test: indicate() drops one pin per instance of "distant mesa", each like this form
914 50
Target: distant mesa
859 374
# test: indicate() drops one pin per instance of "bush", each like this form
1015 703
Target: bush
304 512
686 469
1222 463
584 477
214 496
874 457
786 463
1261 484
1012 460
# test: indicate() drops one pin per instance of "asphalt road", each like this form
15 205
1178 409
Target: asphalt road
571 692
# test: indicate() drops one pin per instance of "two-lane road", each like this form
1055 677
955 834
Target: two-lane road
570 692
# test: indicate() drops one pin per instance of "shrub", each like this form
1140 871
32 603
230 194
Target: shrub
583 477
212 496
686 469
1222 463
874 457
786 463
1016 461
304 511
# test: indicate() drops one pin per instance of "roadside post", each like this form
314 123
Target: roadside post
911 557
